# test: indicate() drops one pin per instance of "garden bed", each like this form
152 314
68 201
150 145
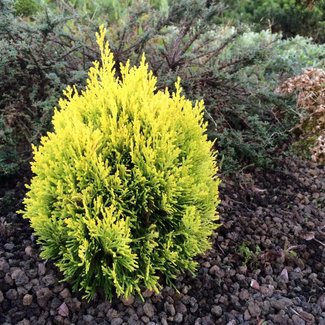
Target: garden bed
267 265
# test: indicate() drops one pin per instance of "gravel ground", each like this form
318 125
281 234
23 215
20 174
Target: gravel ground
267 265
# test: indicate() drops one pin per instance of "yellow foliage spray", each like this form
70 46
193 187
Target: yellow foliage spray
124 191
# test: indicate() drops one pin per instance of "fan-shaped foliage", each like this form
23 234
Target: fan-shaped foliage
125 188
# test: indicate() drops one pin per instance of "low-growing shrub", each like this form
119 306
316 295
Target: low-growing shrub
125 188
39 58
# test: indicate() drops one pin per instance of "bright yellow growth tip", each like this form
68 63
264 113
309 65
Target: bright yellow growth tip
125 188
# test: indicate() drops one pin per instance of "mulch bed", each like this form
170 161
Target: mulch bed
267 265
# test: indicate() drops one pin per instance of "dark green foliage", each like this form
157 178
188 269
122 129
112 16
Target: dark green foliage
26 7
38 59
291 17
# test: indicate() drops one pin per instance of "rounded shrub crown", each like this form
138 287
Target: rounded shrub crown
125 187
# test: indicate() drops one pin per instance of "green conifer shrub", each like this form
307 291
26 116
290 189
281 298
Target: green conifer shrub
290 17
125 187
26 7
39 57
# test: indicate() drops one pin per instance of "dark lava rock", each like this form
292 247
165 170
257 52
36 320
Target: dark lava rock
254 309
169 309
4 266
148 309
216 310
12 294
117 321
27 300
19 277
297 320
180 307
321 302
178 318
281 304
207 320
49 280
9 247
263 212
43 295
65 293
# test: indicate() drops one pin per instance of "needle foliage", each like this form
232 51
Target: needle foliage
125 190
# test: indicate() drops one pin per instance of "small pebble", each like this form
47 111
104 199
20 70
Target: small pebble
254 284
149 309
27 300
216 310
29 251
12 294
128 301
65 293
63 310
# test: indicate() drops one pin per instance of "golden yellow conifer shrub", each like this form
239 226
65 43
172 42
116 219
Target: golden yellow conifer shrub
125 188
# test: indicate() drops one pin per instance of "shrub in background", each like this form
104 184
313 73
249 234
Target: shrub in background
111 11
290 17
233 69
39 57
310 90
26 7
189 42
125 188
258 120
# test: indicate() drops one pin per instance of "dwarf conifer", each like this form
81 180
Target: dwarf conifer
125 188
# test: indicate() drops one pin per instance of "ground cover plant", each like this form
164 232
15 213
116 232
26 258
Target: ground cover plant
125 187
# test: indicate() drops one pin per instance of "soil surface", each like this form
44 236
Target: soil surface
267 265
